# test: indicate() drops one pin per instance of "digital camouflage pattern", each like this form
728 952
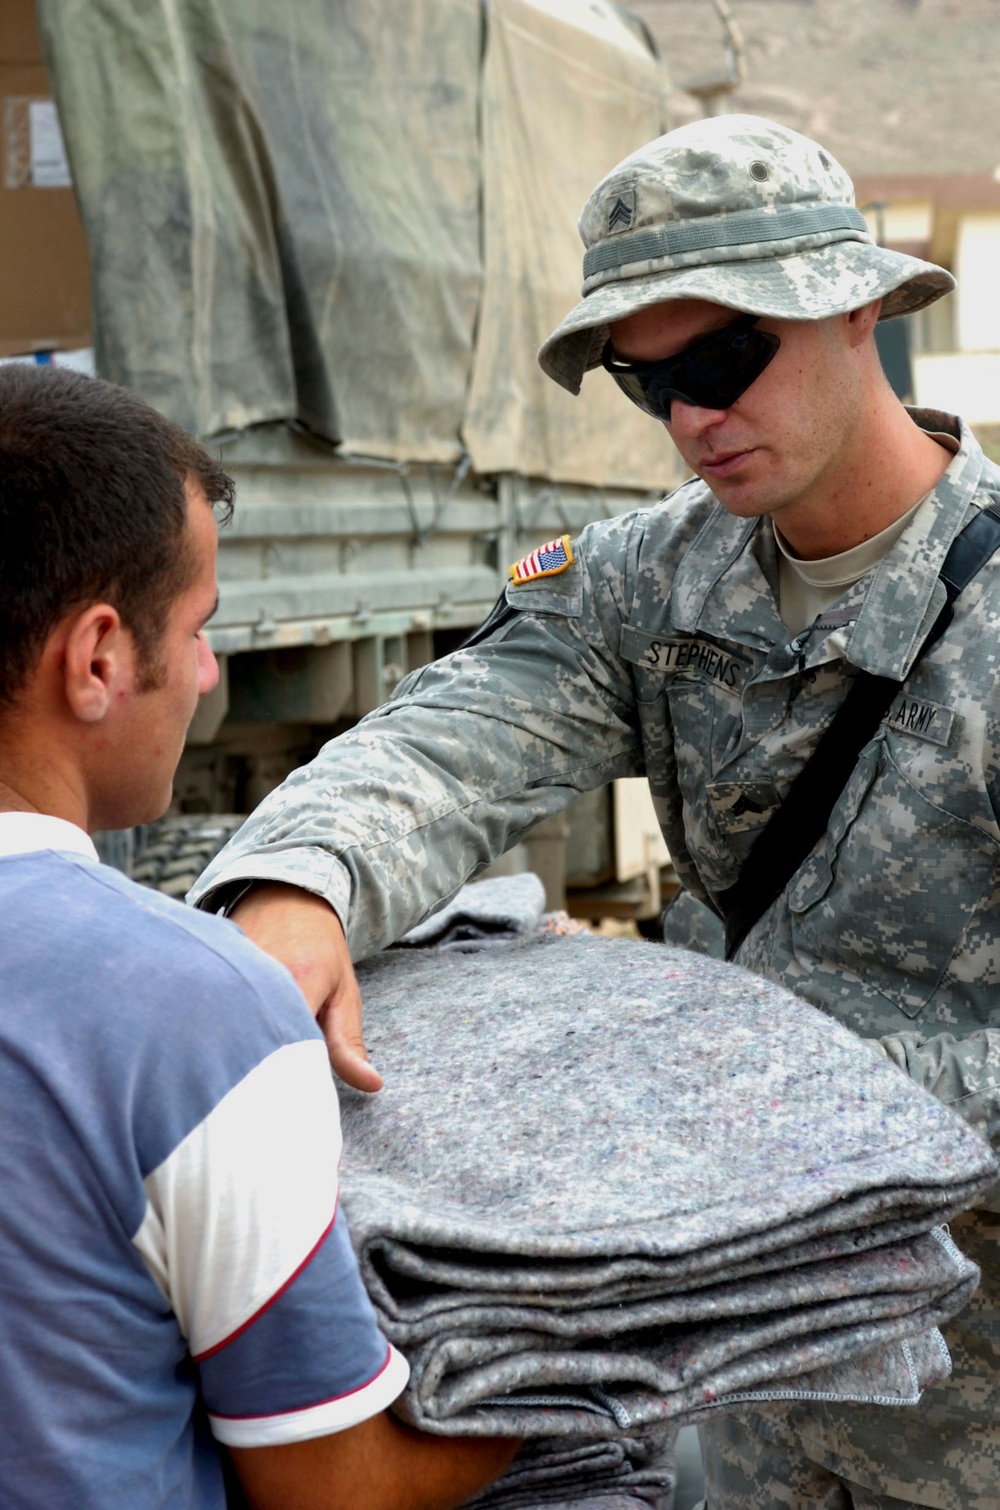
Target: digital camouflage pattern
660 651
739 211
858 1459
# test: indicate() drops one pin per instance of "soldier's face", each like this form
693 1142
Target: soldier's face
782 441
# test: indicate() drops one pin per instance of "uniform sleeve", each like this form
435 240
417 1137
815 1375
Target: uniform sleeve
392 817
964 1073
244 1235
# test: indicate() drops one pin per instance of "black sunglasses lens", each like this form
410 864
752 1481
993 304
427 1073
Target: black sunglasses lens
643 393
721 370
711 375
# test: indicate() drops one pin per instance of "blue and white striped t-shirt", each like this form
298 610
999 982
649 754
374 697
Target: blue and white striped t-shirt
173 1266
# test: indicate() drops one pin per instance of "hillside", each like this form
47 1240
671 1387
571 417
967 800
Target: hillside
891 86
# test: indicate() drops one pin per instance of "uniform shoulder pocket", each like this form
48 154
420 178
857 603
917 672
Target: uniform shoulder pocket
892 886
562 594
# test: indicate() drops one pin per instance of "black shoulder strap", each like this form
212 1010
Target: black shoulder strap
497 616
801 821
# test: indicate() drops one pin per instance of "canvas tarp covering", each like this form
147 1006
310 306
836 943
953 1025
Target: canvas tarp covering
288 210
567 93
281 205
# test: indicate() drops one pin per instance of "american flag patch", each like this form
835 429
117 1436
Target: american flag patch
547 561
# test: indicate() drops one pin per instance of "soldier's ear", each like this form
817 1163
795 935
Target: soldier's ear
861 322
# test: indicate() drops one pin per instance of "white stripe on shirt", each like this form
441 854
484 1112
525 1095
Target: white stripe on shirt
241 1202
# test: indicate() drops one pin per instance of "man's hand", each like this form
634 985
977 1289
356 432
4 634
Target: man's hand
302 931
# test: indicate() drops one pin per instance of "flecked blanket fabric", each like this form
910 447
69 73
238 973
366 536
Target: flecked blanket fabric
482 914
626 1473
609 1186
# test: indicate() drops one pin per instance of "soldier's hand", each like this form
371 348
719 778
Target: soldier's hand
302 931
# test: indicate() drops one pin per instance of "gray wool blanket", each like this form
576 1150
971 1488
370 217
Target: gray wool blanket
609 1186
623 1473
482 914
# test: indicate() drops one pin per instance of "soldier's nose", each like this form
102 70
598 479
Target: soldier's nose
691 420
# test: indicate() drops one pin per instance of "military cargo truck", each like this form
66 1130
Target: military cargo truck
329 238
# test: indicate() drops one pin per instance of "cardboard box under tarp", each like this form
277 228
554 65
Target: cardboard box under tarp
44 272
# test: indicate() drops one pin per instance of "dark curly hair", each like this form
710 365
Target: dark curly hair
92 507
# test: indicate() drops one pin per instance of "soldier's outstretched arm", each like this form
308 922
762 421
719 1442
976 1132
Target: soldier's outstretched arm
391 818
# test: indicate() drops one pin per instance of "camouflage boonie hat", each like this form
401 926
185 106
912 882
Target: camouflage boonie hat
739 211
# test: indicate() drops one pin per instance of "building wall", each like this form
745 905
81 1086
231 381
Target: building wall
977 268
965 383
958 368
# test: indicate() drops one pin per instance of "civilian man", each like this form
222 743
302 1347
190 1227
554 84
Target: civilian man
174 1270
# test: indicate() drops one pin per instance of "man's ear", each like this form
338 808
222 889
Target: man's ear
861 322
96 661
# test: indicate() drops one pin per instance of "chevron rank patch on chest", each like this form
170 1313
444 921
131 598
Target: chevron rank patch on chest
547 561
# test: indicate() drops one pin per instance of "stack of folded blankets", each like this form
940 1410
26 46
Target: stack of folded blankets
627 1472
611 1186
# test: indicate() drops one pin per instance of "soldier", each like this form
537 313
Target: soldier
732 291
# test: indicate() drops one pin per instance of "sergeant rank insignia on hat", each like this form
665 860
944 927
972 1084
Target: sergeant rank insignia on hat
547 561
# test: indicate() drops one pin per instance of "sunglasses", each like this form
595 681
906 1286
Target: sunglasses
711 374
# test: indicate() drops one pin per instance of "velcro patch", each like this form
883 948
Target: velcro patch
741 807
547 561
913 715
671 656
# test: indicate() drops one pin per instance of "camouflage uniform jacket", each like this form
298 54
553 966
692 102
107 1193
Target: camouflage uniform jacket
660 651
